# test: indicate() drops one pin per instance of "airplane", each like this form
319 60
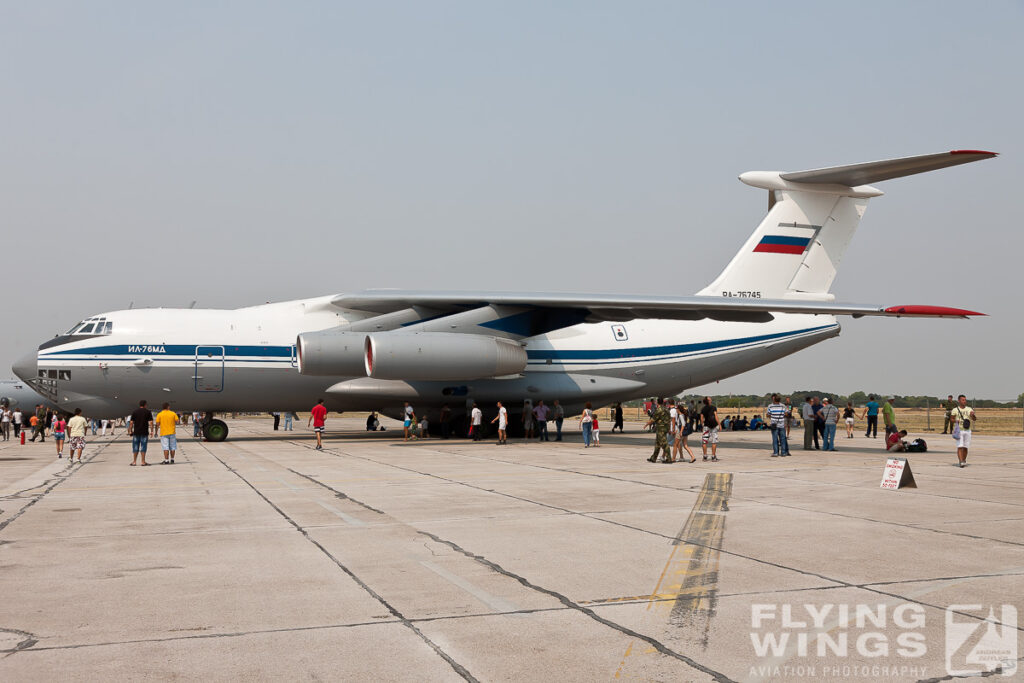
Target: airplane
16 393
375 349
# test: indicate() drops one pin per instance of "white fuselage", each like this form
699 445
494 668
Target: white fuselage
245 360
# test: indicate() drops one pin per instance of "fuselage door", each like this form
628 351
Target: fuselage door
209 374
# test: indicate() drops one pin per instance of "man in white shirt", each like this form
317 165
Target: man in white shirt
502 420
476 422
962 418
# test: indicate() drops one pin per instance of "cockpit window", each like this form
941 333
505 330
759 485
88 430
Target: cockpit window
92 326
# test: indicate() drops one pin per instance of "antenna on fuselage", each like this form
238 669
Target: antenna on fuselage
193 304
131 305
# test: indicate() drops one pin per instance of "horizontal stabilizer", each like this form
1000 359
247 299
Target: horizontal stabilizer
875 171
930 312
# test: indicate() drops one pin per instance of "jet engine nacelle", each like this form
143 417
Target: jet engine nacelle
441 356
334 353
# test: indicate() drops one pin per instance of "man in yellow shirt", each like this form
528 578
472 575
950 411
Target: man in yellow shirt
166 421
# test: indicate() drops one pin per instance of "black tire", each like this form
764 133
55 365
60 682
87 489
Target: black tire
215 430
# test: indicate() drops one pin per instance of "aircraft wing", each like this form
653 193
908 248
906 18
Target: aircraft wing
623 307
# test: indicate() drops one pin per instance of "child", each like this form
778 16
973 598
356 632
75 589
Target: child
424 426
59 426
595 435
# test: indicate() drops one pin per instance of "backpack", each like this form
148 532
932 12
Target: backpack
917 446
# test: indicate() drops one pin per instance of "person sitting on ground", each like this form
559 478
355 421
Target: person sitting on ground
727 423
894 443
755 423
372 422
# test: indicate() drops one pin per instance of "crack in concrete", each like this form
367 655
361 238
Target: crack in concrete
60 478
563 599
841 583
456 666
27 640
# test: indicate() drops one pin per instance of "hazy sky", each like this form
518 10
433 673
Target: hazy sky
240 152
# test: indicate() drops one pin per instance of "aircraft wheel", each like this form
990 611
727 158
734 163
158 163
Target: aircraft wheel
215 430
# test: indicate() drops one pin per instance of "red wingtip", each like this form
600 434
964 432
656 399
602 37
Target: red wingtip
974 151
932 311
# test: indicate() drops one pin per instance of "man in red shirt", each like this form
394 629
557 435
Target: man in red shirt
894 442
318 416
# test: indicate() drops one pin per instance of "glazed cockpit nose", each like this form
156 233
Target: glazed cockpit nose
26 367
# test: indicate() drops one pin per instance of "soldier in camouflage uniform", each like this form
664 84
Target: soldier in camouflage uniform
660 421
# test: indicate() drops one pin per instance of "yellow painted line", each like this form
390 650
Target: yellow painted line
688 561
661 578
618 672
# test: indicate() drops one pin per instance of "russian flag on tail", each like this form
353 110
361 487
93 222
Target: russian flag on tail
782 244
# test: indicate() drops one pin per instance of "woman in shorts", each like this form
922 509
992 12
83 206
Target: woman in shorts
587 424
684 428
848 414
409 424
59 427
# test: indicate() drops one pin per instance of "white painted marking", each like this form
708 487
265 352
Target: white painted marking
483 596
293 488
349 519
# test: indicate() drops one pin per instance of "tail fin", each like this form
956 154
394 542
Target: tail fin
812 215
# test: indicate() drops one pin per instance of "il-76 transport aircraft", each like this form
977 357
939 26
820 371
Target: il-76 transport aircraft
374 349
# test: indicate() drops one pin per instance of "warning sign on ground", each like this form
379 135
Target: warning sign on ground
897 474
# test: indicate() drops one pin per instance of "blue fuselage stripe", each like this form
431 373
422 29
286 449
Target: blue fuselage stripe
136 350
283 354
627 353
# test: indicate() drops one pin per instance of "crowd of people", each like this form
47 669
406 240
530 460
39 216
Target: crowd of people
676 421
671 421
74 429
535 419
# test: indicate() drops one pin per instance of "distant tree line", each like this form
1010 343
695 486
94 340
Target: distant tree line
859 398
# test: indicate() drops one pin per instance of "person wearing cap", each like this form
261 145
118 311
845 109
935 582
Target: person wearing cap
947 425
829 416
889 415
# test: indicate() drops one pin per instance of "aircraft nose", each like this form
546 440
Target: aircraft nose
26 366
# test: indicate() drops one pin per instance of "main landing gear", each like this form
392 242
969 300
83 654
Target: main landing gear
214 430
